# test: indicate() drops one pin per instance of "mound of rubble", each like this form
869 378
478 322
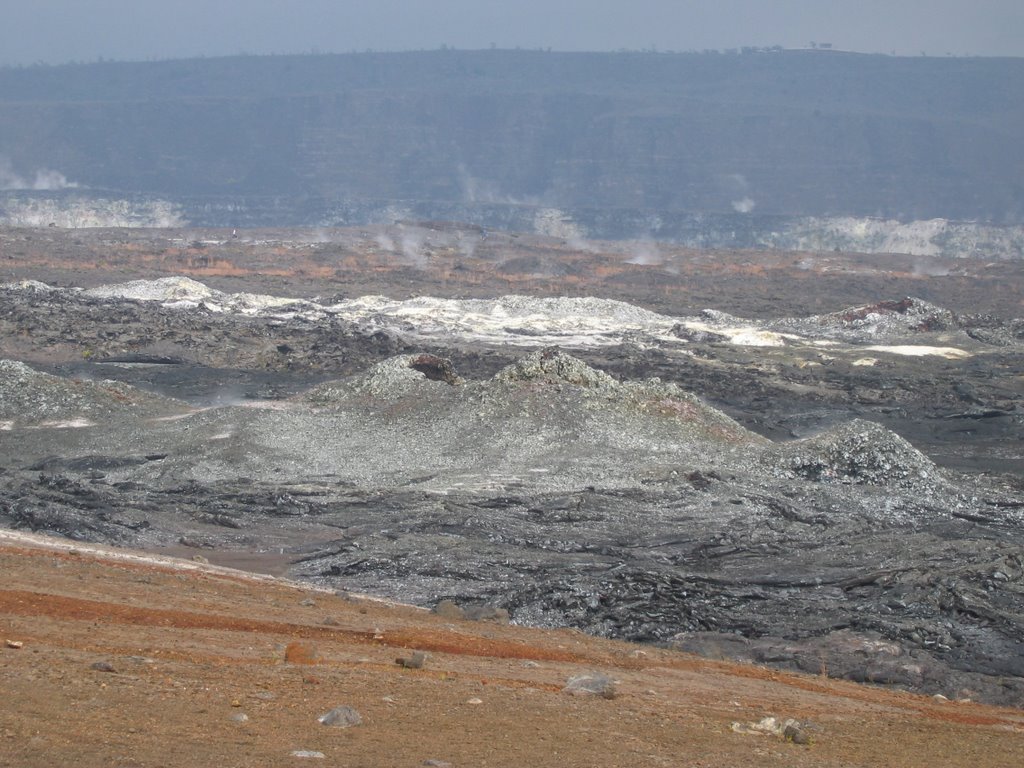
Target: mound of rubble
392 378
554 367
186 293
857 452
882 321
551 373
162 289
31 398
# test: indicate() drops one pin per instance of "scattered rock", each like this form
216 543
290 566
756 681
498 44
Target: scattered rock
309 602
342 717
796 734
474 701
788 730
308 753
15 644
301 652
330 621
594 684
415 661
240 717
437 763
102 666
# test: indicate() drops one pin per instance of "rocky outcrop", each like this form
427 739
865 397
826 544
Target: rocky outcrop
858 452
882 321
552 367
30 398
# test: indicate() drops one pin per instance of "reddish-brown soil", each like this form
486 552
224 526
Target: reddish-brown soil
192 647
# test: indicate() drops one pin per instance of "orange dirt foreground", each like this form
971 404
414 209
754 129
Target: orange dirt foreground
112 659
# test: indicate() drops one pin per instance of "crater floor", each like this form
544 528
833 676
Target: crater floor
838 490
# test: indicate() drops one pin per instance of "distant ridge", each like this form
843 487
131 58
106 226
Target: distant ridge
784 133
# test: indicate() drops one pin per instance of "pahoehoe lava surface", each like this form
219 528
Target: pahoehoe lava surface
516 453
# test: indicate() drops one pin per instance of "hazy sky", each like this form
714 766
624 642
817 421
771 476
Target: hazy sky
83 30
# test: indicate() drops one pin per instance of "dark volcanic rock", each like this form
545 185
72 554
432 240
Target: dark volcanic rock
857 452
563 489
878 322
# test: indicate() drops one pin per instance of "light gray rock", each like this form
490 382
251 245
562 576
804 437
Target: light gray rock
594 684
341 717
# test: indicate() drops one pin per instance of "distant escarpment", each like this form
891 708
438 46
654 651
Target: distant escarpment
626 143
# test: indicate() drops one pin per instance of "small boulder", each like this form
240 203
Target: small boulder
794 733
415 661
341 717
789 729
594 684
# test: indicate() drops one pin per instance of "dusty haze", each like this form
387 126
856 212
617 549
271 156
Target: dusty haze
57 31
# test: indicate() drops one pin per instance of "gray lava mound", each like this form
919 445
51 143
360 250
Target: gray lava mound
882 321
396 377
31 398
858 452
553 367
668 410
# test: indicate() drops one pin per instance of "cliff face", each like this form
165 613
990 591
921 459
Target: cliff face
787 133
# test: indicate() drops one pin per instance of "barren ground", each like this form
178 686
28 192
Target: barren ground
449 260
192 648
